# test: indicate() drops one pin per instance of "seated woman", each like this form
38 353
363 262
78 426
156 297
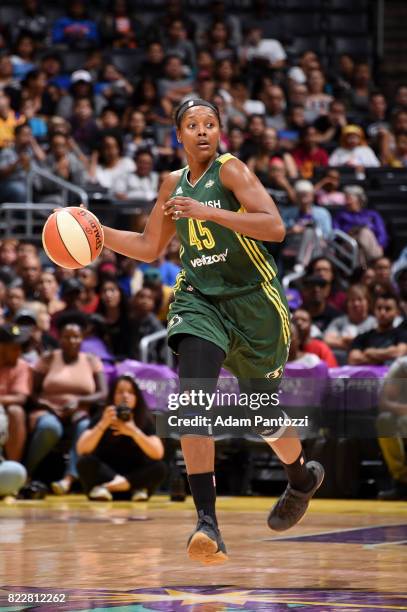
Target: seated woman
357 320
67 383
119 452
366 226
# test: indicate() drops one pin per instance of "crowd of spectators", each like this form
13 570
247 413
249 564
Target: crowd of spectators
106 127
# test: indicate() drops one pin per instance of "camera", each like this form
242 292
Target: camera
123 412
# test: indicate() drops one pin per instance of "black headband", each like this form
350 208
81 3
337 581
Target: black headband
179 113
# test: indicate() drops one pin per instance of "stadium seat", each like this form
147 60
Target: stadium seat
346 24
127 60
355 45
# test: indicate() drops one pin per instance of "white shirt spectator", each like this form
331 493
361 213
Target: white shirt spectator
359 156
139 187
108 177
269 49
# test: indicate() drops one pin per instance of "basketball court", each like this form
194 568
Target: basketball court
344 556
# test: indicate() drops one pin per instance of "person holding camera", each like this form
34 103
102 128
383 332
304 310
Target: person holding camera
120 455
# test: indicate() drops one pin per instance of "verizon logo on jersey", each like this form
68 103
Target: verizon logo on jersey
208 260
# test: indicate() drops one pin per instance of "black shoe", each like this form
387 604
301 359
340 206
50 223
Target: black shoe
399 491
34 490
206 544
293 504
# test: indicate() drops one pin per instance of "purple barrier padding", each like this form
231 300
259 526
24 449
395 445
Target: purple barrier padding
110 372
155 381
355 388
303 386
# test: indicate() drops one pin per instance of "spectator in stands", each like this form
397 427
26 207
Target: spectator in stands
143 322
114 307
137 137
84 127
303 322
323 266
269 148
357 320
67 383
143 183
62 162
39 340
71 294
236 140
330 126
163 294
306 214
376 120
118 29
174 10
33 22
327 190
121 458
297 354
8 84
353 150
76 30
108 165
8 254
23 59
275 104
15 387
278 184
317 102
219 43
267 50
313 291
308 155
9 120
109 120
48 292
363 224
15 163
89 297
81 86
255 132
175 84
15 299
177 43
217 11
382 345
397 157
12 474
242 106
362 86
392 428
152 66
344 75
115 87
130 276
35 89
38 125
30 270
382 270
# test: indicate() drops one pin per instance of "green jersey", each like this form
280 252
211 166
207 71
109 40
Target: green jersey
216 260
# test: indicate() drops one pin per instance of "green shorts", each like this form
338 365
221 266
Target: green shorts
253 329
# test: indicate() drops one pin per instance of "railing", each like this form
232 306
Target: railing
65 186
23 221
148 341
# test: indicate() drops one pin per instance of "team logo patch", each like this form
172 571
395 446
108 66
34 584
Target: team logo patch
209 183
176 320
179 191
275 373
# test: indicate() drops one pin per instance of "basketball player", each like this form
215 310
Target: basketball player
229 307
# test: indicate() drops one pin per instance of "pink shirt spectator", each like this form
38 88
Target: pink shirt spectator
17 379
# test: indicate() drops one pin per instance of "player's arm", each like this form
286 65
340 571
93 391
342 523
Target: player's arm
392 395
259 218
157 234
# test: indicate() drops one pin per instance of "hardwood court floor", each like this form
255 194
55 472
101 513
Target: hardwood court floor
345 555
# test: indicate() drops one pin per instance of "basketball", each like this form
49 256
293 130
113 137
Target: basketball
72 237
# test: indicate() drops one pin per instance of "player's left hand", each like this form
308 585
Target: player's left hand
181 207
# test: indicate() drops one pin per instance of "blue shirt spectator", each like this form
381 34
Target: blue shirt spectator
306 213
76 29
